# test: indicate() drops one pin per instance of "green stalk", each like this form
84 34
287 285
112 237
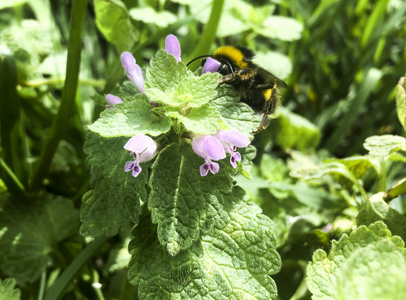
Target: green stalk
67 105
397 189
56 290
209 32
378 12
10 179
382 176
11 130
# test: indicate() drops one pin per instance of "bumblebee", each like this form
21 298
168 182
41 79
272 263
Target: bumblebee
257 87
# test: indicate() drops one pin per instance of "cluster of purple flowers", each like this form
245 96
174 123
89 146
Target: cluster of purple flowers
211 147
215 147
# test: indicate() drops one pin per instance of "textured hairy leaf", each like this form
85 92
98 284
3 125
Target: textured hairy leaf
28 234
232 260
235 114
113 21
356 263
7 290
384 145
114 202
130 118
181 201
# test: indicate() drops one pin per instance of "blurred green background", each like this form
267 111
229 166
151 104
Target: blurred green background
341 60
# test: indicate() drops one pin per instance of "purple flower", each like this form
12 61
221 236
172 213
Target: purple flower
209 148
172 46
112 100
211 65
143 149
134 72
231 139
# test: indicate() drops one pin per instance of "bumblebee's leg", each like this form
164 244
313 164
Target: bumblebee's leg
239 76
263 125
272 101
227 79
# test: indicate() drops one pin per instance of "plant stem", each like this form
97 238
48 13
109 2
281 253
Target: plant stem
382 176
67 105
56 290
42 285
397 189
10 179
210 30
50 81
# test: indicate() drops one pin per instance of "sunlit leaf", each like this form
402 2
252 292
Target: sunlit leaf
377 210
7 290
401 101
113 21
356 263
232 260
291 131
149 15
383 145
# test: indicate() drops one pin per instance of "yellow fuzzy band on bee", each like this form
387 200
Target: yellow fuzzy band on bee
268 94
233 53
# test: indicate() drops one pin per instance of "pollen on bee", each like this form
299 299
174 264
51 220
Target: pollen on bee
268 94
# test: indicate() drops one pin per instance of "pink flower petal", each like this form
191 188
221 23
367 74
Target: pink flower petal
128 166
172 46
136 170
112 100
213 148
233 137
143 146
197 145
204 169
134 72
211 65
214 167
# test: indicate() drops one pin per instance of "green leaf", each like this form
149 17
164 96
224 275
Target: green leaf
384 145
114 202
232 260
130 118
191 92
235 114
279 27
165 72
148 15
358 165
114 23
333 168
290 130
181 201
29 233
376 272
7 291
376 209
274 62
401 101
367 264
28 44
201 120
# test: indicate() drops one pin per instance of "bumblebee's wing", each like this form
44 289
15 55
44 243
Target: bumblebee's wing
268 75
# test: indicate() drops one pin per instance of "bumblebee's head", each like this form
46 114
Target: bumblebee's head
237 56
231 58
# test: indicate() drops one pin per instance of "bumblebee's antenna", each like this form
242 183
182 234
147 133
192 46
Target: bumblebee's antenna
222 60
196 58
229 65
